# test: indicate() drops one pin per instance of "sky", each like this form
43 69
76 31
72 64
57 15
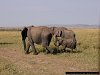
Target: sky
45 12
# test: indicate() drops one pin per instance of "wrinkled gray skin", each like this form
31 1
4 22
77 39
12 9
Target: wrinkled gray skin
67 40
66 43
38 35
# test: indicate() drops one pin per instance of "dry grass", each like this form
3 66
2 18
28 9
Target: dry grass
86 59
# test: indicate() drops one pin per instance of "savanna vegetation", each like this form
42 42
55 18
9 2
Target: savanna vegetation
13 61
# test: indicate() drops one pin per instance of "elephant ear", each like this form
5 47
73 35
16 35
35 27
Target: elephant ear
24 33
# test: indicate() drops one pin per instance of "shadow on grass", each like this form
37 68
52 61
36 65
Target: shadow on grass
55 51
69 51
66 51
5 43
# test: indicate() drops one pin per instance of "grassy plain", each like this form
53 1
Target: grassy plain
86 59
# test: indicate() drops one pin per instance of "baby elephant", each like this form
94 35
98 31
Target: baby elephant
68 39
66 43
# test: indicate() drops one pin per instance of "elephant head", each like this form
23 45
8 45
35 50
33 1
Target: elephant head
58 32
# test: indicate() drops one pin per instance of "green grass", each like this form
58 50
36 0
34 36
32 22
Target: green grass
86 58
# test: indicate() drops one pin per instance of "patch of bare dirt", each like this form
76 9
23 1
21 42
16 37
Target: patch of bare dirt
42 64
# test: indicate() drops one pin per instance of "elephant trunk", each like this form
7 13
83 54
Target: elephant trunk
55 39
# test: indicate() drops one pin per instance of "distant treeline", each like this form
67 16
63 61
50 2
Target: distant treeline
51 25
10 29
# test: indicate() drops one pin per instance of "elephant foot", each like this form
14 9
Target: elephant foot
47 52
26 52
52 51
35 53
64 50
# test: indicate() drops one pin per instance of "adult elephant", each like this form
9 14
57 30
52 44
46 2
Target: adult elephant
67 40
38 35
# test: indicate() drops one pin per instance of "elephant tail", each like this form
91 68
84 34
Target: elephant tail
24 35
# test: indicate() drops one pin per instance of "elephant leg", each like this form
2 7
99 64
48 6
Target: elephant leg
57 48
48 49
72 50
27 49
64 48
33 48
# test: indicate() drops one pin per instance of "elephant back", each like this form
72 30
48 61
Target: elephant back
68 34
